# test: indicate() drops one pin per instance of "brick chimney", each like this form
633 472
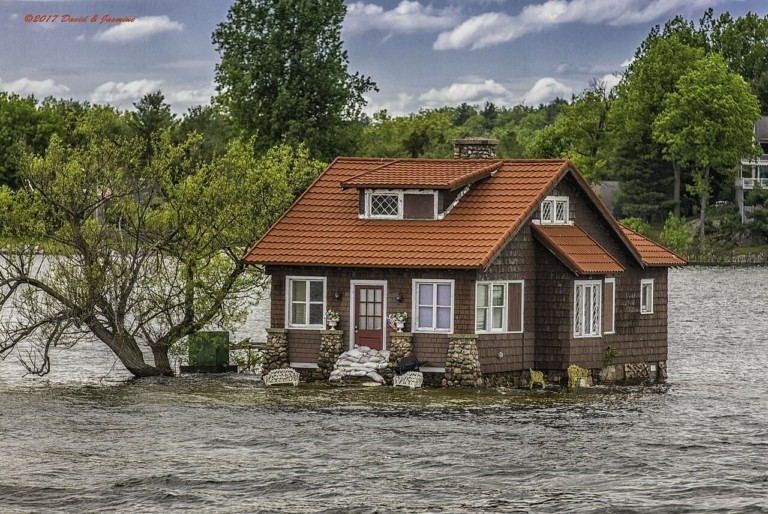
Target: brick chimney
474 148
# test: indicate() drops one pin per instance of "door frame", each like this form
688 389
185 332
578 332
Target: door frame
353 306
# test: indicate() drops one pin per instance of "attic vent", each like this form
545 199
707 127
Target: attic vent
474 148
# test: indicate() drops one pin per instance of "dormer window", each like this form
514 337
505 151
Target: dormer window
409 204
384 205
554 210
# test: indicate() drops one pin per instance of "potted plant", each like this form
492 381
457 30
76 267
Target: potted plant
398 319
332 317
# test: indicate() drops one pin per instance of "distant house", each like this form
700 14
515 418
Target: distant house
753 173
501 266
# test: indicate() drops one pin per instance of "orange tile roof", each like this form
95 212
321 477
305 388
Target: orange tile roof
423 173
652 254
323 227
576 249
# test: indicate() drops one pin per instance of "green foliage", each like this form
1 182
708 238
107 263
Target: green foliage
639 225
677 234
706 125
646 179
579 133
283 74
23 121
151 116
144 254
609 355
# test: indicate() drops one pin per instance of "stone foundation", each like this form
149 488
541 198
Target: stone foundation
462 366
400 346
330 349
275 350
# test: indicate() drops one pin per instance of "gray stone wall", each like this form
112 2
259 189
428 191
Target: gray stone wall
330 349
275 351
462 366
400 346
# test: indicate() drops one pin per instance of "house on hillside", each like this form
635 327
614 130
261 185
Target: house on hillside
753 172
501 266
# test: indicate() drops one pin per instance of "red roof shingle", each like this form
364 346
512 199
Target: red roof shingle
651 253
576 249
423 173
323 227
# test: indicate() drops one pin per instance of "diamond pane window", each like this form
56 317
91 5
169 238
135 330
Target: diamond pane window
587 308
546 212
385 205
554 210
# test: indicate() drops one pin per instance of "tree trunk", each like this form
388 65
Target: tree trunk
704 200
162 363
676 190
130 355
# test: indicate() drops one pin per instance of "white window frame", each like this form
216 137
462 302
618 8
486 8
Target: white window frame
647 306
400 194
595 326
553 202
505 308
612 280
415 284
369 194
289 322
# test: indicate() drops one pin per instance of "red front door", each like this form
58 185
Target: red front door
369 316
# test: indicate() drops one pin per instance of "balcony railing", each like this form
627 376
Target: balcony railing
752 183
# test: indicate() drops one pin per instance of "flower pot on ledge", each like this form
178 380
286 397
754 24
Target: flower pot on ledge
333 324
399 325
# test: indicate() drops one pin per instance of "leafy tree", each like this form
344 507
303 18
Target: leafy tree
283 73
637 157
707 125
639 225
758 216
152 115
676 234
214 127
133 259
22 121
579 133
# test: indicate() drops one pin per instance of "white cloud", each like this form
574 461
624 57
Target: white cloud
191 96
611 80
81 37
116 93
406 17
14 16
39 88
495 28
401 105
472 90
546 90
141 28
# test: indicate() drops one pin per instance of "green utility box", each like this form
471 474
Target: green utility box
208 352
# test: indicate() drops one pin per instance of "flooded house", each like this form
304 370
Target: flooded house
500 266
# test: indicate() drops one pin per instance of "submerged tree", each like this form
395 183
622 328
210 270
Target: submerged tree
133 258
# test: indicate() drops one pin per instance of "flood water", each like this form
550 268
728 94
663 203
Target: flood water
85 439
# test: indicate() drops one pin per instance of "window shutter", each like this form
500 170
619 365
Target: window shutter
515 314
609 311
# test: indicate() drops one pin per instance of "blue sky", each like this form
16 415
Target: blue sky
421 53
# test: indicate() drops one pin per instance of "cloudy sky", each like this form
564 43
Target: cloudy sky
421 53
